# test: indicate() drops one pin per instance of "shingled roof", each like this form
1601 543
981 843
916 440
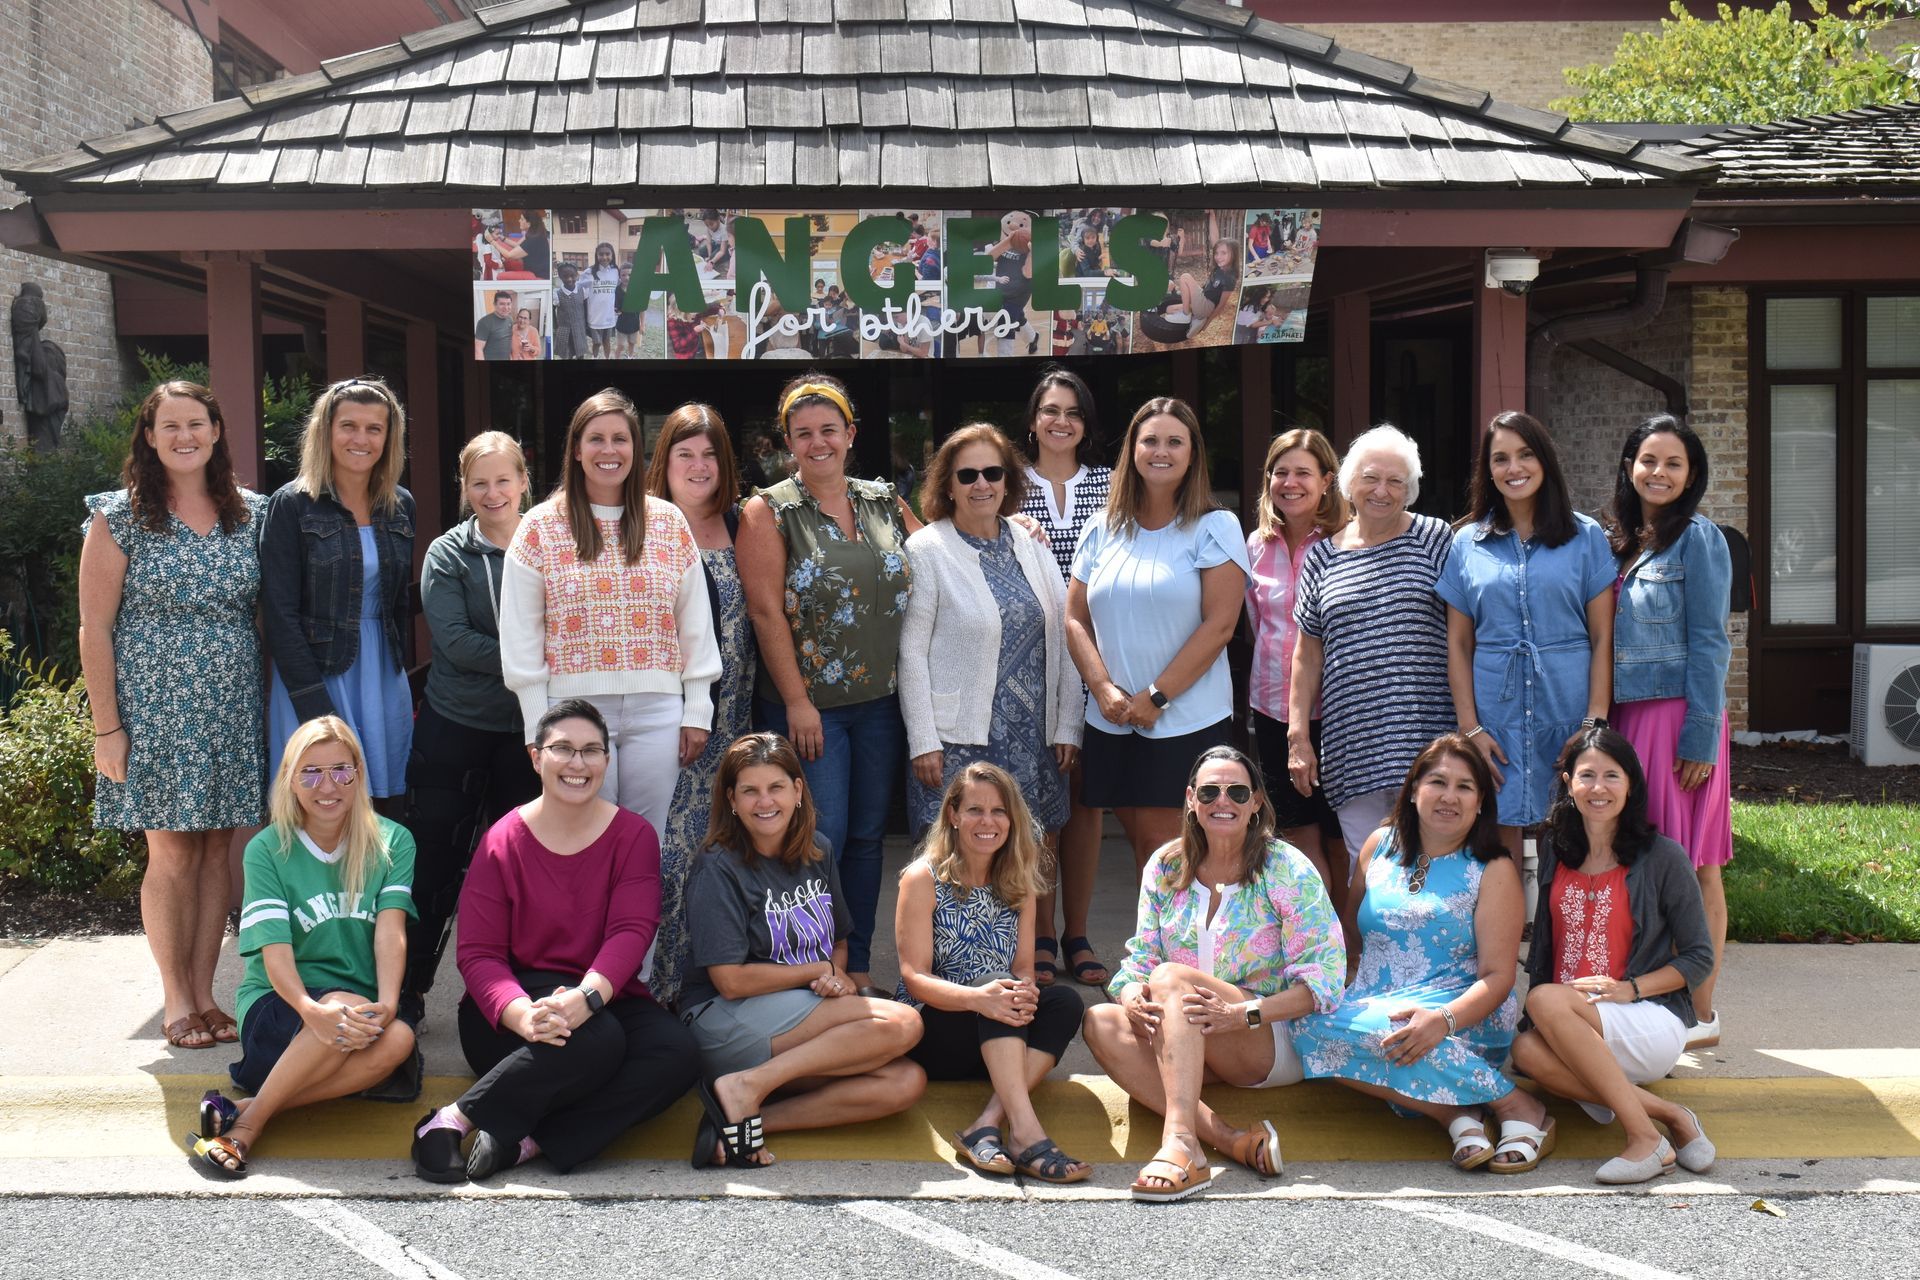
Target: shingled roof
855 96
1868 147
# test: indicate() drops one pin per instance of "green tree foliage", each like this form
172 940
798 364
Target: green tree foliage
1745 67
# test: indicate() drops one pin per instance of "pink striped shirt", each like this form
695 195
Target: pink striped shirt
1270 611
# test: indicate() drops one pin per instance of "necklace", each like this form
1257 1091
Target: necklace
1419 878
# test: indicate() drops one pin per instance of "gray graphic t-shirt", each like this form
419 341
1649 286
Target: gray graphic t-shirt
753 910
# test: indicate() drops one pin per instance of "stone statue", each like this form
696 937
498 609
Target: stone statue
39 369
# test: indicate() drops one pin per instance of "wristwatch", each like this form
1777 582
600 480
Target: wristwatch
594 1003
1253 1013
1157 698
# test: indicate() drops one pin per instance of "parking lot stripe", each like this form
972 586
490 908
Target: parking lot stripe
389 1253
1538 1241
946 1239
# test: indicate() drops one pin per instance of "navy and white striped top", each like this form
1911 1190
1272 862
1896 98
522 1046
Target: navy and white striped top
1086 500
1383 685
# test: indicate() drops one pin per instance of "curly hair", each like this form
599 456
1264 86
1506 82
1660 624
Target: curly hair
145 476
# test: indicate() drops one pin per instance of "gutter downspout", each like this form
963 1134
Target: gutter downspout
1668 386
1649 295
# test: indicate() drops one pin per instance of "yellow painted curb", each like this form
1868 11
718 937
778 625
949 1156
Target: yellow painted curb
117 1117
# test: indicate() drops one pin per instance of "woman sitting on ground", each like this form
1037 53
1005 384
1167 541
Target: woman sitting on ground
964 926
556 919
1433 927
1620 937
1206 990
334 973
788 1042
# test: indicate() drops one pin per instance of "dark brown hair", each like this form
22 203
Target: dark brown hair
1483 841
145 476
1626 515
1553 521
935 500
785 411
1195 498
724 829
690 420
1260 827
1567 833
1086 453
572 493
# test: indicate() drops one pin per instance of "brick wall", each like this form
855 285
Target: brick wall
1518 62
70 71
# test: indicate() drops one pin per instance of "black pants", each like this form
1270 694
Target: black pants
949 1048
630 1061
460 781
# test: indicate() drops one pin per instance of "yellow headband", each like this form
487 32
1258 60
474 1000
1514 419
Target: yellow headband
821 389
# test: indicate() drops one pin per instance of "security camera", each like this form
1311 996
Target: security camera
1514 270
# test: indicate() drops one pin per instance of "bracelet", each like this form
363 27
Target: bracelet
1447 1013
1635 984
1476 730
119 728
1595 722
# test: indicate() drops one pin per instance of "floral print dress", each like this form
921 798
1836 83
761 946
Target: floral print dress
1418 950
186 669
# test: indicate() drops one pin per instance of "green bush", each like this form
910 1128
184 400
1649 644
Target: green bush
47 837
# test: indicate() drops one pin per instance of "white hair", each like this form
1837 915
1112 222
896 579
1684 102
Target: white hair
1388 439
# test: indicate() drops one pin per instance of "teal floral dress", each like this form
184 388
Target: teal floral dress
1418 950
186 669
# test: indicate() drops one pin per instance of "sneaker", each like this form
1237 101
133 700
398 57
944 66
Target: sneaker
1704 1035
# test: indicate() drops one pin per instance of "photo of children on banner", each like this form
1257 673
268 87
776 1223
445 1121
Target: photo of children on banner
1203 295
1012 280
510 323
1280 243
1272 313
1097 329
511 244
1084 254
723 330
711 231
890 261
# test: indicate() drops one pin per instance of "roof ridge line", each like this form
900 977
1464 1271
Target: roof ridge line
1802 124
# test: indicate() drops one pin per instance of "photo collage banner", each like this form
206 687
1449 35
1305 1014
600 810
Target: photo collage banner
874 284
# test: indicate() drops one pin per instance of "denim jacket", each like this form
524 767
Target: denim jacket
310 590
1670 633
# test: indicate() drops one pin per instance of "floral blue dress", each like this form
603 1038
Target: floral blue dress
693 794
1019 699
1418 950
186 667
975 937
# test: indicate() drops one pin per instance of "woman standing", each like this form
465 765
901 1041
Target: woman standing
1670 654
1433 927
1529 617
1300 507
1209 986
964 924
824 561
169 568
1066 488
468 766
603 598
536 244
1156 591
336 559
1372 648
331 974
693 468
984 671
1619 936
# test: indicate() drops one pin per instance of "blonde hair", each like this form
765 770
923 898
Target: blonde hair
1332 514
1019 869
316 446
365 844
1195 496
490 442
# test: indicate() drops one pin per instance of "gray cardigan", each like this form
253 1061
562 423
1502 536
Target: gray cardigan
460 595
1669 923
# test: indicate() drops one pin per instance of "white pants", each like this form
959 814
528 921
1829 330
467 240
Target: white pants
1361 816
643 744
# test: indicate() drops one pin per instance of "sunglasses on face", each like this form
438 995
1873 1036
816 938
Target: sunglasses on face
992 475
342 775
1208 792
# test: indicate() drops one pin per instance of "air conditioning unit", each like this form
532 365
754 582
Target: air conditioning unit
1886 703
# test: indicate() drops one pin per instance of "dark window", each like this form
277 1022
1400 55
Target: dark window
239 65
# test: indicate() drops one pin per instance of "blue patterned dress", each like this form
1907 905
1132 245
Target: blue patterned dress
1418 950
1019 698
186 669
693 795
975 936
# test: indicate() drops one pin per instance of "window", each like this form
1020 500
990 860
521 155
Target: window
238 65
573 224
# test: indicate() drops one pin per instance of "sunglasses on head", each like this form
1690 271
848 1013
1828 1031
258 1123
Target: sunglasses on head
1208 792
992 475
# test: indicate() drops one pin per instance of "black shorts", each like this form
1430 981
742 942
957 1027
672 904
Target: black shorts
1125 770
1291 809
270 1027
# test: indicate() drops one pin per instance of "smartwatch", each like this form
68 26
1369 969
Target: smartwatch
1157 698
594 1003
1253 1013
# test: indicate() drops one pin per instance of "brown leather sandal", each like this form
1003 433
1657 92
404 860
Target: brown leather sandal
1174 1174
220 1025
1259 1149
180 1028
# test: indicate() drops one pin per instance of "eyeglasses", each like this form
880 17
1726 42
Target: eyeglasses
1208 792
992 475
568 752
1052 412
342 775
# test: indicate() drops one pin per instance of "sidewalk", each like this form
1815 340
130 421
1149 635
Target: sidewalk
1822 1062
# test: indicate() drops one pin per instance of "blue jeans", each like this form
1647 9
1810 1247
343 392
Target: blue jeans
862 758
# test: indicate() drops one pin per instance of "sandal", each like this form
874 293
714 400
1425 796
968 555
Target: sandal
1089 972
983 1151
741 1139
1517 1137
186 1025
217 1114
1047 1162
1175 1171
221 1156
1045 971
1470 1150
1249 1146
220 1025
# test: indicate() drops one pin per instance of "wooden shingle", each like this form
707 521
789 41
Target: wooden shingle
1284 162
955 51
1110 15
983 105
576 59
1133 56
1117 162
376 117
883 104
776 151
248 168
592 108
728 13
297 167
342 167
718 105
835 51
549 162
869 10
840 101
616 159
1051 104
1176 162
905 50
481 64
1054 13
859 158
501 110
1032 160
783 104
1068 51
549 111
306 123
995 12
742 161
415 162
476 160
1337 162
667 13
1006 52
533 61
763 51
633 55
930 103
1198 109
611 15
1210 62
1226 162
697 53
1122 104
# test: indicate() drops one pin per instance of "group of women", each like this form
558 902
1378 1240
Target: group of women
599 660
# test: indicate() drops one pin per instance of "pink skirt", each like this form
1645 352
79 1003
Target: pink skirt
1701 820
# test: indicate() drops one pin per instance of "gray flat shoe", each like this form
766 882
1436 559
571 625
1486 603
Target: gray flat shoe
1620 1171
1697 1156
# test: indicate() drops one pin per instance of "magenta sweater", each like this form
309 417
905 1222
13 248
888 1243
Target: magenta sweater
526 907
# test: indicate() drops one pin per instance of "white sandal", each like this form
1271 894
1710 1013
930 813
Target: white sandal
1517 1137
1477 1147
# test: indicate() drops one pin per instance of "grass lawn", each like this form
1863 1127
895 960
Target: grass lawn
1824 873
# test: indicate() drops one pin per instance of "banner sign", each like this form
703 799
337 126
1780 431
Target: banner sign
736 284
